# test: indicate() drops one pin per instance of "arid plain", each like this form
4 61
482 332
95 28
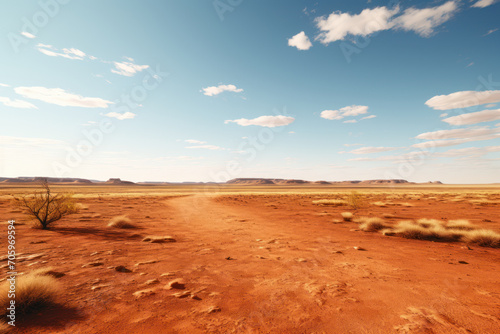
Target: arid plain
265 259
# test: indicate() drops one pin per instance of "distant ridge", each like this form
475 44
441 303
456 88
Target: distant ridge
257 181
242 181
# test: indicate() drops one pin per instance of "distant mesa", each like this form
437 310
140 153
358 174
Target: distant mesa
250 181
37 179
259 181
117 181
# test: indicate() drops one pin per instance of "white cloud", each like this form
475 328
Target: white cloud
337 26
491 31
452 142
443 114
367 150
27 34
369 117
300 41
349 145
423 21
351 121
483 3
4 85
469 151
265 121
121 117
291 132
216 90
128 69
71 53
474 117
353 110
207 147
16 103
458 133
463 99
60 97
194 141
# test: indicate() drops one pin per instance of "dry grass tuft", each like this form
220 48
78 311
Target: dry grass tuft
121 222
347 216
484 238
372 224
460 224
428 223
412 230
32 291
332 202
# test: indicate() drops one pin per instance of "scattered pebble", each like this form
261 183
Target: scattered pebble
93 264
146 262
301 260
359 248
213 309
143 293
151 282
99 287
167 274
463 262
122 269
158 239
176 284
182 294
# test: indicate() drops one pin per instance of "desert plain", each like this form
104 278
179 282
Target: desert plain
261 259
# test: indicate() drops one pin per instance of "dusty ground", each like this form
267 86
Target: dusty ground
263 263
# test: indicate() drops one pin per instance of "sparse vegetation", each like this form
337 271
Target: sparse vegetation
484 238
121 222
45 206
355 200
371 224
332 202
33 290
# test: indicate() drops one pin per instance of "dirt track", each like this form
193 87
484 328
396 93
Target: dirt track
270 268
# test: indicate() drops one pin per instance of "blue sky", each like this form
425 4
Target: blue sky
213 90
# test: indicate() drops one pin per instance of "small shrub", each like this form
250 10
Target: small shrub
347 216
372 224
46 207
121 222
412 230
355 200
484 238
32 291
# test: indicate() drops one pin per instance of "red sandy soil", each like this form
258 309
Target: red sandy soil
265 264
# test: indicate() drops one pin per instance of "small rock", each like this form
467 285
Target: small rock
55 274
167 274
214 294
463 262
213 309
122 269
151 282
142 274
182 294
93 264
158 239
143 293
146 262
272 241
258 240
260 257
338 252
301 260
99 287
94 253
195 297
229 258
176 284
359 248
